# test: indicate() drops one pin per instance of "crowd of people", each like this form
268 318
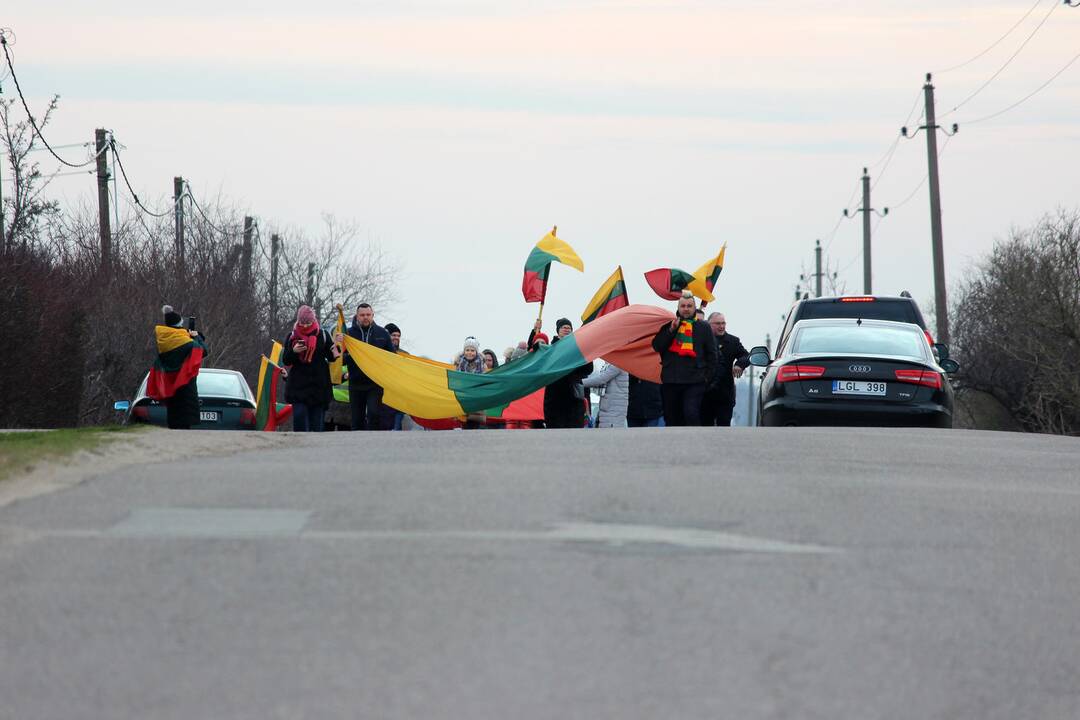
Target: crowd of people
699 362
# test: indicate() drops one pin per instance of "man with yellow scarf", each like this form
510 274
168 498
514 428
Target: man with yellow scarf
688 360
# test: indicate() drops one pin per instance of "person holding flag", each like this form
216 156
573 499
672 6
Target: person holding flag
688 362
173 377
365 395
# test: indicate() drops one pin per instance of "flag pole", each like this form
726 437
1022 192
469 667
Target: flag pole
543 293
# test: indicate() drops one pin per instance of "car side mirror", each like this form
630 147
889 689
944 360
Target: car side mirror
942 350
759 356
121 406
950 366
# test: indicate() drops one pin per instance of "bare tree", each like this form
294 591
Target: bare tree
24 208
1016 325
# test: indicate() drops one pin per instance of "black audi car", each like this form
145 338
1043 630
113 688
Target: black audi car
845 371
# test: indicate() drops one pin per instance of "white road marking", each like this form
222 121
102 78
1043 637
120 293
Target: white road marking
274 524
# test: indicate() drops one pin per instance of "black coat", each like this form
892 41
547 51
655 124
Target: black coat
375 336
730 351
309 383
679 369
645 401
560 396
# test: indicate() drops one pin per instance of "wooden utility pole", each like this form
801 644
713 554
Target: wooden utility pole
245 253
817 271
275 243
104 221
178 204
310 298
867 265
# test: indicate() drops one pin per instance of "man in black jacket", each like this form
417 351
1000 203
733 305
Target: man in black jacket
733 359
364 395
688 361
564 399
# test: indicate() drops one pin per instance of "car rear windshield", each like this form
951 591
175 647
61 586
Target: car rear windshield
220 385
896 310
862 339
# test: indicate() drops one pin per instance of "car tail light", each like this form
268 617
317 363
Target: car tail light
247 417
927 378
787 373
141 412
860 298
929 337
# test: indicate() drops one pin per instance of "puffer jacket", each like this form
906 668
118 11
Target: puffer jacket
614 395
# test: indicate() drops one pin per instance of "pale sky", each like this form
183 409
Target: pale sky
650 132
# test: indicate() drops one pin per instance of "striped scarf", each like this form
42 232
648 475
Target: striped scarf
683 344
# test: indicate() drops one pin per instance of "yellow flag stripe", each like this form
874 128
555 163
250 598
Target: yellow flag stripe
170 338
557 247
429 394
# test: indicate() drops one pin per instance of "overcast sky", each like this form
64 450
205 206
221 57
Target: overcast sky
650 132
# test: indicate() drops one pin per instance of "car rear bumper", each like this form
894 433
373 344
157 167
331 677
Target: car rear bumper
791 411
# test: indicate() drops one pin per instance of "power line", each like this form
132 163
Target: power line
922 182
123 173
993 44
1053 7
33 122
188 194
1027 97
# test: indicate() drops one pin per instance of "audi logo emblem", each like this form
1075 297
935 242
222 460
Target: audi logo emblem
859 368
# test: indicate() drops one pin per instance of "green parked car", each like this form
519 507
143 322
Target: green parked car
225 403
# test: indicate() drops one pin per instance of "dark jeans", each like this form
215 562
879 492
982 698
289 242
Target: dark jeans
570 417
364 403
308 418
682 403
642 422
182 409
716 409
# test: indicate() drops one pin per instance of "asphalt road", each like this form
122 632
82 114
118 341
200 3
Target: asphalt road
745 573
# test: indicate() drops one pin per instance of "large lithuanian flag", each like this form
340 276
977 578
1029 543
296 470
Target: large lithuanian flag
177 364
538 265
427 390
610 297
269 413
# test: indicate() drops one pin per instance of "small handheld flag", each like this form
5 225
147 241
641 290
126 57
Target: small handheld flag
610 297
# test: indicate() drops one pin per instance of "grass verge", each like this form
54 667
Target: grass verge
20 451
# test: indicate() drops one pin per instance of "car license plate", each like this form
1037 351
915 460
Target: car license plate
208 417
858 387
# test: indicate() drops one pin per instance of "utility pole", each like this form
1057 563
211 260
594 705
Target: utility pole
100 144
941 309
867 265
817 272
310 284
275 243
245 253
178 204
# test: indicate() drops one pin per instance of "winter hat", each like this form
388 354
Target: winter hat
540 336
471 342
305 315
392 328
563 321
172 318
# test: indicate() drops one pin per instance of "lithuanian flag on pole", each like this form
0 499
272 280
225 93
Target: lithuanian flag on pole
426 389
610 297
177 364
269 413
669 283
709 273
538 265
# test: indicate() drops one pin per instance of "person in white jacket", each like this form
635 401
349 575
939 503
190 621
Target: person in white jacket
614 384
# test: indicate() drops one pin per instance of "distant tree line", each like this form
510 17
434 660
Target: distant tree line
80 336
1016 325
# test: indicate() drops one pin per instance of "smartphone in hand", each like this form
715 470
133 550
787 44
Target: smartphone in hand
191 322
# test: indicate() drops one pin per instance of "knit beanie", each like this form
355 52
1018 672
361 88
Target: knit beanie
540 336
172 318
471 342
305 315
392 328
562 321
